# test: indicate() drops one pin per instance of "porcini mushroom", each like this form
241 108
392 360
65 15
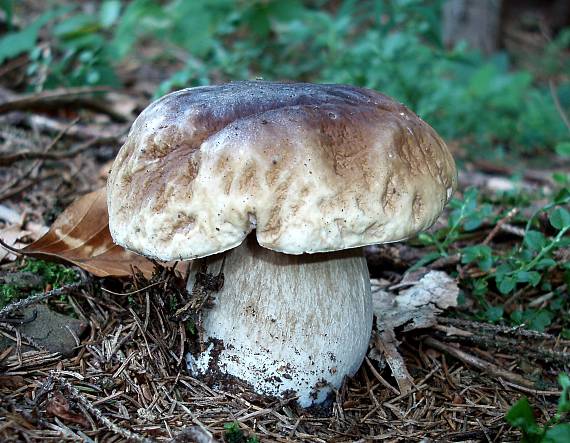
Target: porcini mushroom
317 171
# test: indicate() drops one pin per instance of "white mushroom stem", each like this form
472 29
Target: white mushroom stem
289 323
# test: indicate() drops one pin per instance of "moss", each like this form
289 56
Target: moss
45 273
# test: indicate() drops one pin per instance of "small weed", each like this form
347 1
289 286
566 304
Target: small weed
52 274
530 263
8 294
521 416
234 434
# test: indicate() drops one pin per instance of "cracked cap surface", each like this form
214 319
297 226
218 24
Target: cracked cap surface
310 167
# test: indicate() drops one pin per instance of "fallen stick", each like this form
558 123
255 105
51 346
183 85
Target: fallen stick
479 363
47 100
38 297
7 160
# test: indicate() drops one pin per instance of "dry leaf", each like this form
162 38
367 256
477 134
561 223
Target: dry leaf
81 236
12 381
10 236
58 406
416 307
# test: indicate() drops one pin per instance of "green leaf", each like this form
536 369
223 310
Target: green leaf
494 313
507 284
559 433
109 13
426 238
428 258
16 43
563 149
562 197
564 400
545 263
7 7
560 218
534 240
521 416
480 254
561 178
540 321
531 277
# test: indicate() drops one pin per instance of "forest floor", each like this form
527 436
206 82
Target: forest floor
123 374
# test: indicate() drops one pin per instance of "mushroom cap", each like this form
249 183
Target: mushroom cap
312 168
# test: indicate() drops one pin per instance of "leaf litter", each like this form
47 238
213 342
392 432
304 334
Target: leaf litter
80 236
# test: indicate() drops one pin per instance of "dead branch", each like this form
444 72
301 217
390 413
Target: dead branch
39 297
499 225
544 347
478 363
48 100
8 160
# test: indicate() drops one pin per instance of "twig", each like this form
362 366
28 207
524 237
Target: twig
45 124
39 297
17 190
499 225
544 298
444 262
135 291
76 395
31 341
495 329
53 99
530 390
513 230
379 377
478 363
36 165
7 160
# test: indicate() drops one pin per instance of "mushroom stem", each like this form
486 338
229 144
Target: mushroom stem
287 323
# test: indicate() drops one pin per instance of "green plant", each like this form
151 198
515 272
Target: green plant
391 46
234 434
51 274
8 294
521 416
529 263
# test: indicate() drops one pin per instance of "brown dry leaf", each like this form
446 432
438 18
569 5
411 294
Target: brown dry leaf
81 236
10 236
12 381
58 406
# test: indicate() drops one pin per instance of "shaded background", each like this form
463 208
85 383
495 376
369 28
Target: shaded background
481 72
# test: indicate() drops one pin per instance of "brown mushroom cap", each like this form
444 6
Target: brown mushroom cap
310 167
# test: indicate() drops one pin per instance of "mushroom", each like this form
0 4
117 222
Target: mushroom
318 172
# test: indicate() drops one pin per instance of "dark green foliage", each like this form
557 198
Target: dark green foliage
8 293
529 262
51 273
233 434
521 416
391 46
